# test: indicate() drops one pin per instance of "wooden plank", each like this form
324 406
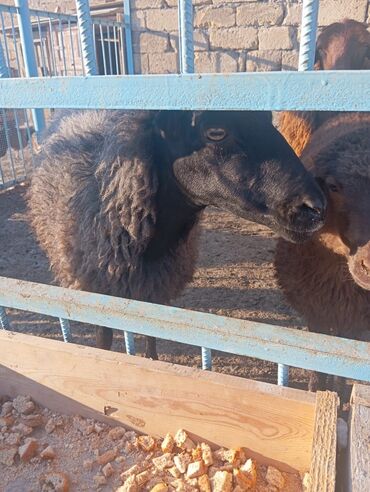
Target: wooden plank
275 423
359 440
328 354
323 464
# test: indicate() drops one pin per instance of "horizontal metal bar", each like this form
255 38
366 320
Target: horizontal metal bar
105 22
8 8
71 17
339 356
53 15
333 90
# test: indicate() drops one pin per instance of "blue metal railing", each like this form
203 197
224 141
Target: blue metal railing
41 43
346 91
324 353
26 38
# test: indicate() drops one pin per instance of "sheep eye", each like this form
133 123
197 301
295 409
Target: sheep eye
333 188
333 185
216 134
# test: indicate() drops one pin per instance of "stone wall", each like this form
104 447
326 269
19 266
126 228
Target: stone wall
229 35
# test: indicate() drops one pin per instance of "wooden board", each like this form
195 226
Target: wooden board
276 423
359 440
324 449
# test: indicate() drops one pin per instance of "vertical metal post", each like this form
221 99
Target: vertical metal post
5 73
66 330
283 375
4 70
310 10
130 343
4 322
186 54
26 37
128 36
186 42
86 37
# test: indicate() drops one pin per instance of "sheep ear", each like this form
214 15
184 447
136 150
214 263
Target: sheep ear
171 124
128 195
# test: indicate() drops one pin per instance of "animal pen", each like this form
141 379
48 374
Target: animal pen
51 61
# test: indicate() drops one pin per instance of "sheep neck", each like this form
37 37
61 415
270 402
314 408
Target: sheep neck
175 217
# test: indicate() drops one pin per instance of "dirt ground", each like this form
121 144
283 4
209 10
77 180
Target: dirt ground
235 278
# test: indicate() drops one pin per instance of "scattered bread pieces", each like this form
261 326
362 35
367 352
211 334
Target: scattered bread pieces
164 461
222 481
168 444
195 469
160 487
274 477
207 456
147 443
204 484
181 462
183 441
120 460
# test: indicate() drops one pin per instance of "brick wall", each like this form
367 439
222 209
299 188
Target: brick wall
229 36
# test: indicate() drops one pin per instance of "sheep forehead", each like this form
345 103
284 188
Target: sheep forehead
345 38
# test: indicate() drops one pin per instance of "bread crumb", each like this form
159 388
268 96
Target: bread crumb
181 462
183 441
274 477
168 444
204 484
222 482
195 469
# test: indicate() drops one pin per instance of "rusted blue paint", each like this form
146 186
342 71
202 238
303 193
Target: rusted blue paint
327 91
332 355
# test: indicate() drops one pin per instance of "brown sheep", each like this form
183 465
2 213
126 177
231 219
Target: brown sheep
117 195
327 279
340 46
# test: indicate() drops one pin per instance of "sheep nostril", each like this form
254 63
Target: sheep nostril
311 210
365 267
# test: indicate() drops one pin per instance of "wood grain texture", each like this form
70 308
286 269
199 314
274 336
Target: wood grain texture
276 423
359 440
323 464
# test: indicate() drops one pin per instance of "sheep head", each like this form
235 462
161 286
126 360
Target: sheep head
343 46
239 162
339 157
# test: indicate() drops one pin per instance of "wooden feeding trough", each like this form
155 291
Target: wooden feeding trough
291 429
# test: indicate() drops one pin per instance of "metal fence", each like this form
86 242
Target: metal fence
339 91
57 49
